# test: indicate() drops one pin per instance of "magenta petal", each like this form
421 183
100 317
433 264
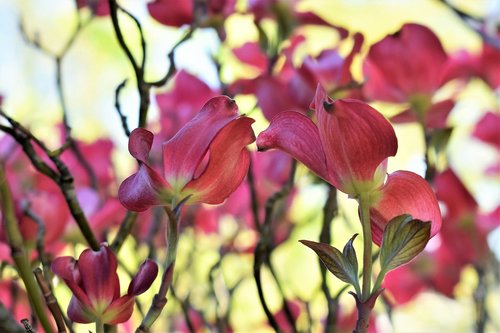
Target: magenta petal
119 311
183 153
144 278
66 268
404 64
227 166
77 312
251 54
357 139
435 117
404 193
172 13
143 189
488 129
297 135
100 282
139 144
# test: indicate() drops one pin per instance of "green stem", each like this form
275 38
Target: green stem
380 279
160 299
99 327
18 252
364 207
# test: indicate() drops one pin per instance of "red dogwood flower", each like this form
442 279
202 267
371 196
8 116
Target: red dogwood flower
96 288
413 52
349 147
205 161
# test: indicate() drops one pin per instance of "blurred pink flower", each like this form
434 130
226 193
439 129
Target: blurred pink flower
96 289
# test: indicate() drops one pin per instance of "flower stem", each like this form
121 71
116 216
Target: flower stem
160 299
364 207
99 327
18 253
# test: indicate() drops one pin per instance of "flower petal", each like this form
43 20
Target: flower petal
435 116
78 313
144 278
183 153
298 136
143 189
170 13
100 282
406 63
404 193
356 139
139 144
488 129
66 269
119 311
227 166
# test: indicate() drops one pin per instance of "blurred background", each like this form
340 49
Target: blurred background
34 32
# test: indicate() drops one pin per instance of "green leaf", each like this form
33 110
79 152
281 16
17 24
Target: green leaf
350 254
404 238
334 261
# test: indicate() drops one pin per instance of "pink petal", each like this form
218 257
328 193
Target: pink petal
179 105
297 135
490 65
172 13
143 189
183 153
435 117
404 193
66 269
144 278
404 284
452 192
227 166
119 311
488 129
100 280
139 143
356 139
404 64
78 313
251 54
273 97
305 18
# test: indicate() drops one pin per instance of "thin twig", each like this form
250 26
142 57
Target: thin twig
50 300
60 174
125 229
18 252
40 235
330 210
264 248
118 108
160 298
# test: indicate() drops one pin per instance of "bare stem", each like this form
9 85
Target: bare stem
160 299
18 253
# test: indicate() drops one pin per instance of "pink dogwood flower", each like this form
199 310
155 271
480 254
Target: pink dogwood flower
349 147
205 161
96 288
413 52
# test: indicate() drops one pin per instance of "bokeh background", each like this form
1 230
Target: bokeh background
95 65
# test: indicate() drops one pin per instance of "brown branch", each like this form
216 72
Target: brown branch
118 108
330 210
60 175
125 229
50 300
262 253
